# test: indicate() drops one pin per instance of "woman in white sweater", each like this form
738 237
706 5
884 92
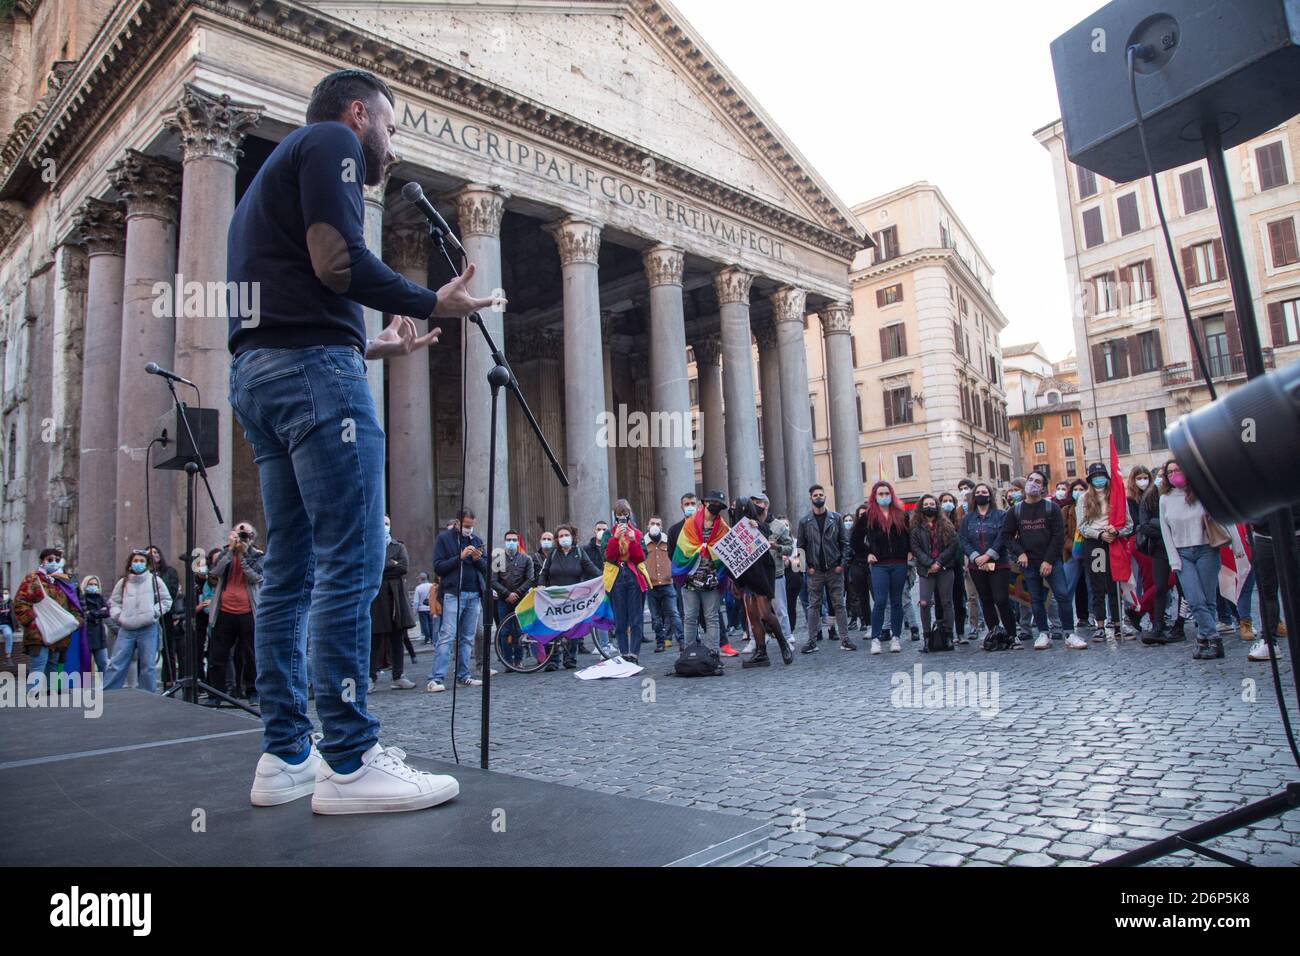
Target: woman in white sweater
1193 557
138 603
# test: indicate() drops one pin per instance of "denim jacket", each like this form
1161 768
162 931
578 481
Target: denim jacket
982 534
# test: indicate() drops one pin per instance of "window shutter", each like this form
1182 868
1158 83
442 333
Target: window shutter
884 349
900 292
1149 272
1121 357
1277 331
889 410
1135 366
1219 268
902 338
1189 267
1098 364
1205 348
880 298
1282 240
1160 355
1234 332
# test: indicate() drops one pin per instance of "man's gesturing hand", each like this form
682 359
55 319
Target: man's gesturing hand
454 300
399 338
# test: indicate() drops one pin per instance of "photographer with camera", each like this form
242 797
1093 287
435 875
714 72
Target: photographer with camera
238 570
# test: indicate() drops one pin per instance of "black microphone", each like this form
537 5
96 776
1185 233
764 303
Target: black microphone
153 368
412 193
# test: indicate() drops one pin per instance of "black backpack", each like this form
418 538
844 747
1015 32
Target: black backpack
698 660
937 641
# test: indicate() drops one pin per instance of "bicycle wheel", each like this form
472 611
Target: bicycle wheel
520 652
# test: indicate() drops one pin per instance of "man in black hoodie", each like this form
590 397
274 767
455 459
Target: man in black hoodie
1033 533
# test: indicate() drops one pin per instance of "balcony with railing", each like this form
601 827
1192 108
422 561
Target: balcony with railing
1222 368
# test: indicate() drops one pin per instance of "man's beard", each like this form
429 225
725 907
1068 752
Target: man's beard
373 151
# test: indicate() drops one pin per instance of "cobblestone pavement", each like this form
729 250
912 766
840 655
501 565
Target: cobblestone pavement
1088 754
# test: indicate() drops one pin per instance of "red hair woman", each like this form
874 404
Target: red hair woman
884 530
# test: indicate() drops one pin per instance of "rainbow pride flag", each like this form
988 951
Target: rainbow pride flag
692 548
570 610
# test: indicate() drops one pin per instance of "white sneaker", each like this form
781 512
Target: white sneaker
894 646
1259 651
402 683
749 647
875 645
1043 643
1073 642
472 682
276 782
384 784
433 687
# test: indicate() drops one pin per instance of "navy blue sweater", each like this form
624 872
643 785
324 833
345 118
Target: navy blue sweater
312 181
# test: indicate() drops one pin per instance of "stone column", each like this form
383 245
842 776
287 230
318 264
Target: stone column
584 371
713 435
611 444
670 392
841 397
374 228
479 210
796 418
211 129
769 376
150 186
69 333
103 228
743 469
410 421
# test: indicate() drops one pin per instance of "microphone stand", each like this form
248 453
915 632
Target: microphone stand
499 375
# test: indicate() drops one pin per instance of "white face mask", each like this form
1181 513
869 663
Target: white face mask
1143 483
566 541
547 544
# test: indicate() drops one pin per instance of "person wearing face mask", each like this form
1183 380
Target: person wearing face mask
138 604
935 549
699 572
595 546
1033 533
460 561
7 625
1072 553
1151 542
858 576
391 617
626 581
781 546
1192 540
238 570
889 544
420 603
512 580
824 542
965 601
569 564
1093 514
665 620
49 580
95 606
989 568
172 627
756 588
690 504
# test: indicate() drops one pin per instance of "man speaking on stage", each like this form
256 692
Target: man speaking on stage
298 387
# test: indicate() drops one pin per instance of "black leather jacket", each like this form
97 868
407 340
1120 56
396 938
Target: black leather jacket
827 550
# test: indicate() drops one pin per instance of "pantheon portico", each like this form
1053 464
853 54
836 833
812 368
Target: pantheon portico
637 207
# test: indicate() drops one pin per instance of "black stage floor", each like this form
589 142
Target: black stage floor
131 788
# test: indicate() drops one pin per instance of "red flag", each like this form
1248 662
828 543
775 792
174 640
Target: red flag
1121 561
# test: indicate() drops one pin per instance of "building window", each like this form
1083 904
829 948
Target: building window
853 349
1093 234
1044 469
1038 423
1004 473
1141 285
945 240
1119 429
1040 448
695 391
1071 469
1149 359
1156 428
1129 221
889 295
864 472
1192 186
893 342
857 400
1087 182
956 338
1104 293
903 467
1217 353
1053 398
886 244
1270 160
1282 242
1284 320
812 418
1067 421
1203 263
1112 363
1069 448
970 463
898 406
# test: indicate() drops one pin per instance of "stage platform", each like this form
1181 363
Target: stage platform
126 789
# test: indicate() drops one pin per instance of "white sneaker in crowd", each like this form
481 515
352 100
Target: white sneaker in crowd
472 682
894 646
1073 642
875 645
749 647
1259 651
276 782
403 683
433 687
383 784
1044 642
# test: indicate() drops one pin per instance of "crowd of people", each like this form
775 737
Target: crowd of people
1023 566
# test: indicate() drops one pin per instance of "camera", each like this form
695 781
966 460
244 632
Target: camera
1239 453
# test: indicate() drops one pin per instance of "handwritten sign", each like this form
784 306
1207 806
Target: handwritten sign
740 547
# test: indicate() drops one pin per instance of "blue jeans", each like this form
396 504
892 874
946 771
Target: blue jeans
426 626
629 607
101 660
8 632
319 450
36 664
663 614
466 606
1199 578
129 641
1059 583
887 583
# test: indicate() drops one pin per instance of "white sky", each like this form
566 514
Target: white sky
877 94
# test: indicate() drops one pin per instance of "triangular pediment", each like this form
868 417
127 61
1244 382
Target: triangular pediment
617 67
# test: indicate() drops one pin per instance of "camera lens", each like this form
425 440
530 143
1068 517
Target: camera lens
1239 453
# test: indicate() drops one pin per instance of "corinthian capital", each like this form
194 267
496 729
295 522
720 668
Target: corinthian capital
578 240
479 210
102 225
788 304
406 247
765 336
211 126
663 265
732 285
149 184
837 317
707 350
